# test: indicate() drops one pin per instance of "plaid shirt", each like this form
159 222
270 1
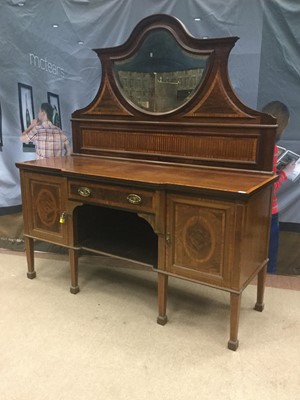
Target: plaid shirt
49 140
278 183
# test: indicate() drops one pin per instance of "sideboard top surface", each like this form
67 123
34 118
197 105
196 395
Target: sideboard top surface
159 175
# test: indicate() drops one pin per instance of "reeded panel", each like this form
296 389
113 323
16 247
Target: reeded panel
199 147
199 234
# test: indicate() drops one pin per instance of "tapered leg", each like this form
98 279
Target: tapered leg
30 257
73 259
162 298
261 281
235 306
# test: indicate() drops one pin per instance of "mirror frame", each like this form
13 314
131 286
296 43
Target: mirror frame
148 79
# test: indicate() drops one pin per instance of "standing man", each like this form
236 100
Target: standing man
49 140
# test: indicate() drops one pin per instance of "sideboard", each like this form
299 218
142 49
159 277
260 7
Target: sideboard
169 169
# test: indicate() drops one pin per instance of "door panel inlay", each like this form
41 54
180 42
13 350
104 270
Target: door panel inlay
198 239
46 207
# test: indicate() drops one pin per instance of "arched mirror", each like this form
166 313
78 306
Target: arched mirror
161 76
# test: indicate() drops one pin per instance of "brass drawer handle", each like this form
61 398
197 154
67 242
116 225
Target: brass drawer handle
84 191
134 198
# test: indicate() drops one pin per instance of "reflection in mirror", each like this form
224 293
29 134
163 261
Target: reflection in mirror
161 76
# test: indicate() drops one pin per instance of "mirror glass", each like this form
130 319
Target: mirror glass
161 76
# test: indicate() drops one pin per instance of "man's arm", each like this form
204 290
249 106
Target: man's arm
25 135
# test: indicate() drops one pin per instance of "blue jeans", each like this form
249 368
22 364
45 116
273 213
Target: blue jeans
273 244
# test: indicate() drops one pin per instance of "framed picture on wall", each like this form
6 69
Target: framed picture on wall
26 109
53 99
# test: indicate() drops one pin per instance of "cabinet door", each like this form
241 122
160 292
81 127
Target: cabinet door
200 233
44 198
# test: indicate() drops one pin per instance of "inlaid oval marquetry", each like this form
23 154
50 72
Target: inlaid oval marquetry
198 239
46 207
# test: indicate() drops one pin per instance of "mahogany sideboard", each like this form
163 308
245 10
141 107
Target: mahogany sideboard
169 169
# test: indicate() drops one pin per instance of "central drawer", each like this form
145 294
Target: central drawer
125 197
